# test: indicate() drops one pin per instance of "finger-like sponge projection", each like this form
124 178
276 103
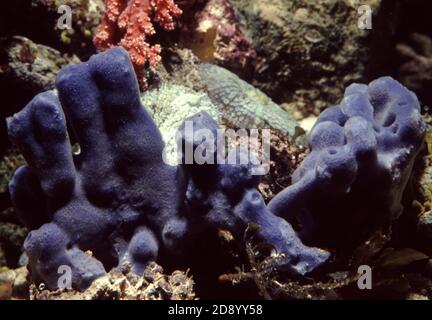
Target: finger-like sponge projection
116 200
362 156
225 196
111 202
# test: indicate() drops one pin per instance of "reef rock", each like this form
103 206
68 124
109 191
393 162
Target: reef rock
424 203
33 65
26 68
416 69
308 51
38 20
8 164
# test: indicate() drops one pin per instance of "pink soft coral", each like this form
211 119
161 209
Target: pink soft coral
129 23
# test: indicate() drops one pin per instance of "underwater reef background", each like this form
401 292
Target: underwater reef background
83 124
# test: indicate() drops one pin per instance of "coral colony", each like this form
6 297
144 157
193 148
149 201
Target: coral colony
117 201
130 23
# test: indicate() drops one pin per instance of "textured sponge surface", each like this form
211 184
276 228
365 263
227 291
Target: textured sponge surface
362 152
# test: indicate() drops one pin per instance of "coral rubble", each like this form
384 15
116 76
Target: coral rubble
125 285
